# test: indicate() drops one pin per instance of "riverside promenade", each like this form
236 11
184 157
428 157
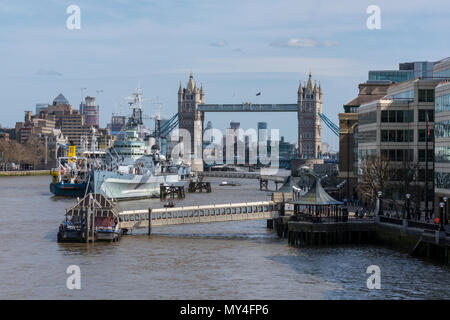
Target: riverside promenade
24 173
420 239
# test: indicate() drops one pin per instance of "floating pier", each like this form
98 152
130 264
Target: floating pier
93 218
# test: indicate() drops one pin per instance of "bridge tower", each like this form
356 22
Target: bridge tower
191 119
309 122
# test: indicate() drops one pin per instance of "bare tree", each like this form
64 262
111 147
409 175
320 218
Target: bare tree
407 183
376 174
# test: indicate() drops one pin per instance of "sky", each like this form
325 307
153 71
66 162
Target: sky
234 48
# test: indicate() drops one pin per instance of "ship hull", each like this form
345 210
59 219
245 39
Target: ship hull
68 189
129 186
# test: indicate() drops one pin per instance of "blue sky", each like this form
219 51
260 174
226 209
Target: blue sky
235 48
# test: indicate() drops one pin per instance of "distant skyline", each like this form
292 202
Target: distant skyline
235 48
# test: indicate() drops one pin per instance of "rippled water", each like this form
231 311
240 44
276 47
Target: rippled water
230 260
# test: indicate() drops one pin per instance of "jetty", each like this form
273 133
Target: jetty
148 218
93 218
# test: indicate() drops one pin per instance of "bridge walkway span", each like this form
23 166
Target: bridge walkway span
132 219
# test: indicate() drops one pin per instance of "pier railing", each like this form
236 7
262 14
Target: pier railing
131 219
410 223
391 220
241 175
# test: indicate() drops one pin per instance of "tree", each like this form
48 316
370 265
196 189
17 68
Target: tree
376 174
407 181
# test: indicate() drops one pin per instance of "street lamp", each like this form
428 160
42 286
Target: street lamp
380 207
407 196
446 209
441 216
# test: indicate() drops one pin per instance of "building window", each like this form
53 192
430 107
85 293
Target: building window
443 103
397 116
397 136
442 129
442 180
423 115
423 135
367 118
367 136
442 154
426 95
422 155
407 95
398 154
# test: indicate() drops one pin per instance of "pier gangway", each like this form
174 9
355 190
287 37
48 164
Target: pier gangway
133 219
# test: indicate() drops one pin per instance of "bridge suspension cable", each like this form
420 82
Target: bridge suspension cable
333 127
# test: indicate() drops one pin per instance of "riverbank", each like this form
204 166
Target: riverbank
416 238
24 173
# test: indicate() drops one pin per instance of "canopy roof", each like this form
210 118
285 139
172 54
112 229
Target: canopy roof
102 206
317 196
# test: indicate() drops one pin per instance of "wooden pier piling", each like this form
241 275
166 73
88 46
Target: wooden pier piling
149 221
264 184
171 191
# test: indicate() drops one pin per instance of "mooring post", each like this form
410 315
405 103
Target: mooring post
87 223
149 221
93 225
92 214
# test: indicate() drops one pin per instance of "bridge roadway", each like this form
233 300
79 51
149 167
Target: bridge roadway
241 175
131 219
248 107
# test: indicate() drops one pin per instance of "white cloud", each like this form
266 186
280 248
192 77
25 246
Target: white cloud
219 43
303 43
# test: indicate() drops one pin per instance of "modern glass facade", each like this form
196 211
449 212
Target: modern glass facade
391 75
442 74
442 129
443 103
407 95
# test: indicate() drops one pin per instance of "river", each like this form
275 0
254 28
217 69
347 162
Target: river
229 260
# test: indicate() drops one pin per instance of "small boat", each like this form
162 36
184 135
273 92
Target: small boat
226 183
70 178
169 204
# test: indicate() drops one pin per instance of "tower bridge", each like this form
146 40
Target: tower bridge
192 108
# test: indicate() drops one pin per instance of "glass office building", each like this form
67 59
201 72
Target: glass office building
407 71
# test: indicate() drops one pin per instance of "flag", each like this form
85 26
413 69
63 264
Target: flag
258 94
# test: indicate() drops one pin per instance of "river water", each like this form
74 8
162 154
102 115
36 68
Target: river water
229 260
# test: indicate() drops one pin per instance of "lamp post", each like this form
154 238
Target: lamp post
380 207
445 209
441 216
408 216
